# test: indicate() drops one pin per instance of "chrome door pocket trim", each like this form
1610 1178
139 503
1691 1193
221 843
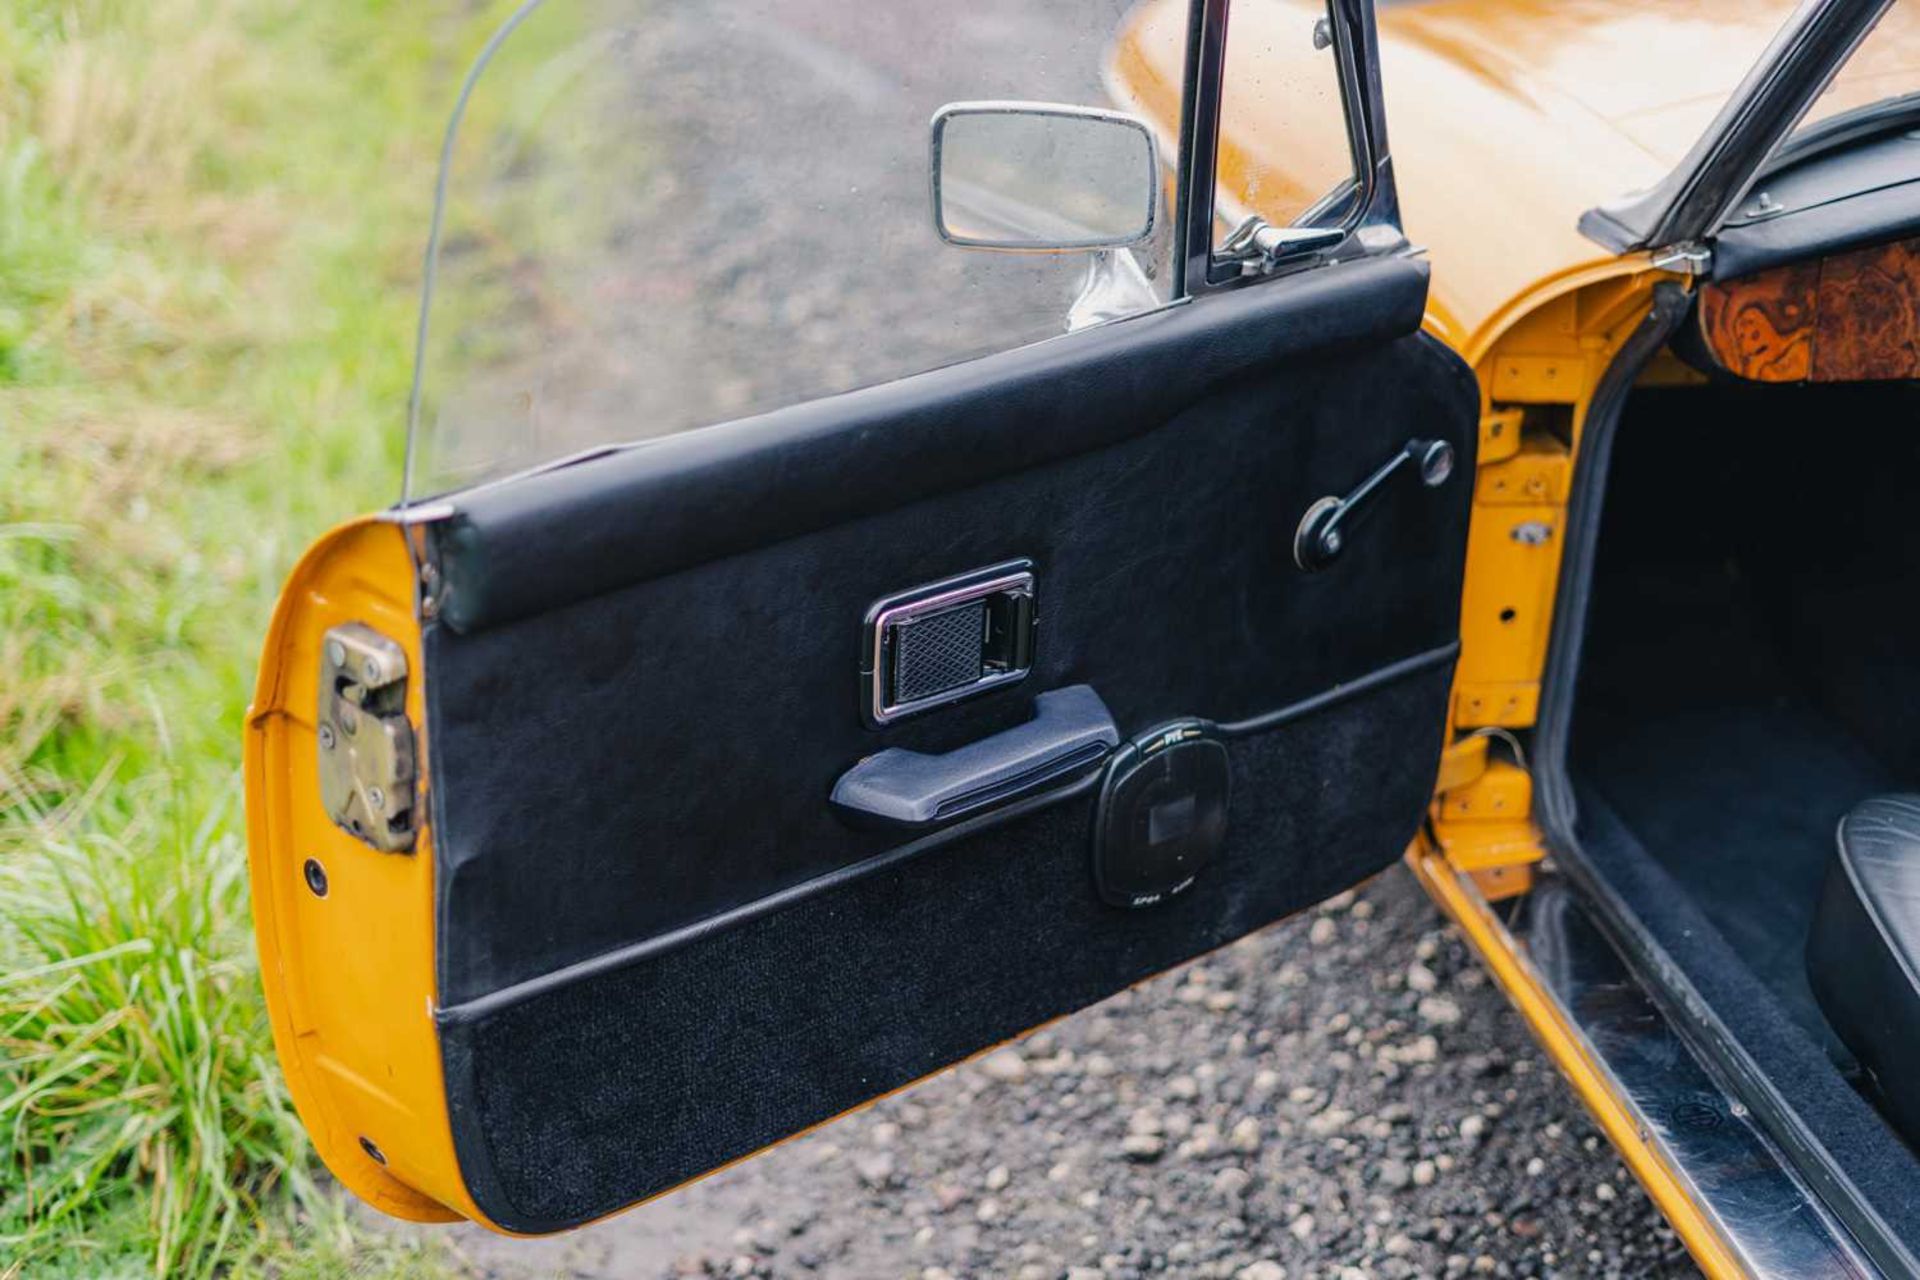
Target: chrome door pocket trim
917 647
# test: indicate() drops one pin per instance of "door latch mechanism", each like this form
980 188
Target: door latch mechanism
367 763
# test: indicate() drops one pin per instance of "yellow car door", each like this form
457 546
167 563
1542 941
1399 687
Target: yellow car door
864 589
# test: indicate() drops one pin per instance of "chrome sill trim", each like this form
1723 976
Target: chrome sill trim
1733 1172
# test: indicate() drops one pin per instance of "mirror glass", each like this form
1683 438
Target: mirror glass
1039 177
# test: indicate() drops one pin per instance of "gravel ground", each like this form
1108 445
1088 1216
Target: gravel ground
1343 1094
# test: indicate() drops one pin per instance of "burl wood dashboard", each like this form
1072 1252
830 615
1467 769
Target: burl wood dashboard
1852 317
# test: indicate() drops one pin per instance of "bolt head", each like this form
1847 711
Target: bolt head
349 719
336 653
1332 542
376 797
326 737
371 671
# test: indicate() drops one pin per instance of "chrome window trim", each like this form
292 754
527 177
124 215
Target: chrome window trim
1366 194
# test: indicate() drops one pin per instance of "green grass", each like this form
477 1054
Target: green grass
211 219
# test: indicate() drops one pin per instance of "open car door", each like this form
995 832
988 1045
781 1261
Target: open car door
629 798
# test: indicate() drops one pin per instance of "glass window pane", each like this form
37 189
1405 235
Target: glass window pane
1886 65
1283 141
664 215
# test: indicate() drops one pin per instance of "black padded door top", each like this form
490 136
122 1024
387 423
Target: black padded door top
661 947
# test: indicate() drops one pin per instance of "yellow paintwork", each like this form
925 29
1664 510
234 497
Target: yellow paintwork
1484 827
1537 374
1539 359
1540 375
1566 88
1506 120
348 977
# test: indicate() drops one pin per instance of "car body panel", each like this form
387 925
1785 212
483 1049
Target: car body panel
1508 119
348 981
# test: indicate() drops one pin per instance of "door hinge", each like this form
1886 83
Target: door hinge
367 764
1484 826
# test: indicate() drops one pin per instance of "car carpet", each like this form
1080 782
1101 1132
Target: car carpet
1748 678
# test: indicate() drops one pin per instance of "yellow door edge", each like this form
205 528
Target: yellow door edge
1611 1110
347 966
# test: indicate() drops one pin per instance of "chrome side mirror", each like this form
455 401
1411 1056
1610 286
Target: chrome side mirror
1043 177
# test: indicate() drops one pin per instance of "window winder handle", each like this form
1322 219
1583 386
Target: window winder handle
1322 534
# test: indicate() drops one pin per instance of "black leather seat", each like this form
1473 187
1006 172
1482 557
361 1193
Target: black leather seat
1863 956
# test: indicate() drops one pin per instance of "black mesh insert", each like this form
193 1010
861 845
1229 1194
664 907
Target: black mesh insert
939 652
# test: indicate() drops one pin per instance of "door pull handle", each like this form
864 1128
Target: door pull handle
1070 734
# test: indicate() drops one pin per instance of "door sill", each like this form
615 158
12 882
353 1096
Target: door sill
1728 1190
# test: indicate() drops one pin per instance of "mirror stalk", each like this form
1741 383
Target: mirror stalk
1115 286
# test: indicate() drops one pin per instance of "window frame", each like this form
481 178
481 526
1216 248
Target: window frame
1199 269
1695 199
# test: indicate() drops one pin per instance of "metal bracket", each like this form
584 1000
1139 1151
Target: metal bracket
367 762
1764 206
1689 258
1260 248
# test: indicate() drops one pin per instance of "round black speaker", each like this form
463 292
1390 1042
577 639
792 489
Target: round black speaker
1162 815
